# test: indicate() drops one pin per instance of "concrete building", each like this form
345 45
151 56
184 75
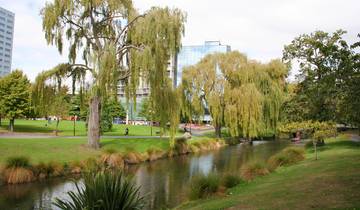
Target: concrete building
190 55
7 20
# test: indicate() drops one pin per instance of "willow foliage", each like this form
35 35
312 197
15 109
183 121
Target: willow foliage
243 94
116 43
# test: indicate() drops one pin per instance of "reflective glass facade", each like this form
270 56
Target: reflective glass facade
190 55
7 20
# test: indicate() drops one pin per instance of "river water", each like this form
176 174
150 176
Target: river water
165 183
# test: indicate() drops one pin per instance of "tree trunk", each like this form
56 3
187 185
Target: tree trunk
94 123
0 120
315 148
218 131
12 124
57 126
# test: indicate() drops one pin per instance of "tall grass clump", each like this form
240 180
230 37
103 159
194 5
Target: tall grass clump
253 169
202 186
231 180
154 153
18 170
286 157
103 190
51 169
111 159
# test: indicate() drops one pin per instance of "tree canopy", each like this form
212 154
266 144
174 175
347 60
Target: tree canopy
328 79
242 94
15 96
116 44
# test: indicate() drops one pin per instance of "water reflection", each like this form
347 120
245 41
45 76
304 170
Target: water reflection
163 182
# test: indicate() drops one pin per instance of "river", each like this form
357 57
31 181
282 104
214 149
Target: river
165 183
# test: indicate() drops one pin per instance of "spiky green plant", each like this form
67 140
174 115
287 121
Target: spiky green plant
103 190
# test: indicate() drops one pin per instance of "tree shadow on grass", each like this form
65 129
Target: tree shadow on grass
29 129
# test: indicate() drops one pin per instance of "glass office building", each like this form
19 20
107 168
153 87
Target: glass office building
190 55
7 20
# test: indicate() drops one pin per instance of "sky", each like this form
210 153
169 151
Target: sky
258 28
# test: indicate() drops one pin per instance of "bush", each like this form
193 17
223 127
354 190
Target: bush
287 156
18 170
103 190
253 169
202 186
231 180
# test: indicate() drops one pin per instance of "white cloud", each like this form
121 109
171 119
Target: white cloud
259 28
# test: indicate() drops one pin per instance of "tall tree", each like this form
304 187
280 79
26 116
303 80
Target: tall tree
322 58
254 94
243 94
203 89
351 88
117 43
51 99
15 96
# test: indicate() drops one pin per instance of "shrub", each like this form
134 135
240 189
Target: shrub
103 190
253 169
202 186
231 180
18 170
287 156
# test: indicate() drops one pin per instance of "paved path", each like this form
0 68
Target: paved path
40 136
354 137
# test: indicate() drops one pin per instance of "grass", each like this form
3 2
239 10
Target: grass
330 182
66 128
66 149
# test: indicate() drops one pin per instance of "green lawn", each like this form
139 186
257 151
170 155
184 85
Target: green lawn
67 149
66 128
333 181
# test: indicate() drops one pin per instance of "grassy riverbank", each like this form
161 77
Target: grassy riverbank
330 182
66 128
70 149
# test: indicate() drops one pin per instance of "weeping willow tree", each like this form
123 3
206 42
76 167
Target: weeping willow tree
253 94
50 95
242 94
203 88
116 43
